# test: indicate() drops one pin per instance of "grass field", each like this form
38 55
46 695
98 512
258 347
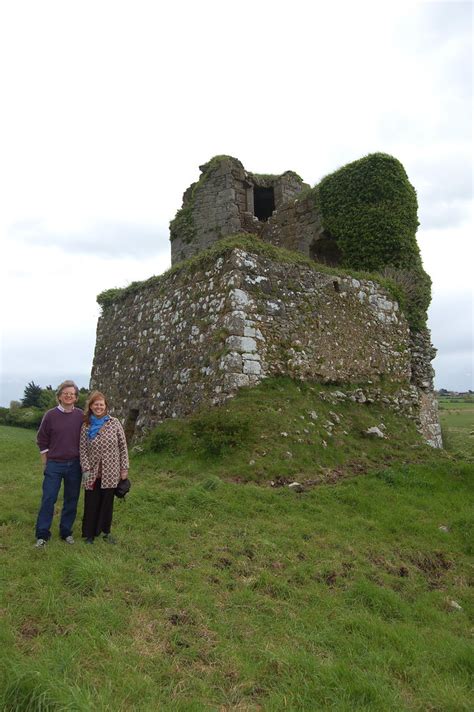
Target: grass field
229 596
457 422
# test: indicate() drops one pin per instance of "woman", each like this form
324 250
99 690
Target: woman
104 461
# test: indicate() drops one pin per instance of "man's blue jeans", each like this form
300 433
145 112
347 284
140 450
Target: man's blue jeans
54 474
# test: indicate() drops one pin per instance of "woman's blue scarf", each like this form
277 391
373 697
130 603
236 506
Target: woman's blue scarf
95 425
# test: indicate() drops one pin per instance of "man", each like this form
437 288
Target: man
58 441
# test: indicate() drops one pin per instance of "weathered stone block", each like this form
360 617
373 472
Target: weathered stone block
252 367
232 362
241 343
240 299
234 381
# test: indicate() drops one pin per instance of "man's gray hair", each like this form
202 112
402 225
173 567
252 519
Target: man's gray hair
66 384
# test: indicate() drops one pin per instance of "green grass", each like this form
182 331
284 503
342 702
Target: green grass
457 423
227 596
283 430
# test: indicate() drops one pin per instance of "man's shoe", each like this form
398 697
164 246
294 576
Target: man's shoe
41 543
69 539
110 539
89 540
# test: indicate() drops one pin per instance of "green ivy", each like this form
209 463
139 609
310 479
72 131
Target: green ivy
370 208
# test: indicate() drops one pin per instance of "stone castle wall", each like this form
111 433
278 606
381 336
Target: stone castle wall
193 337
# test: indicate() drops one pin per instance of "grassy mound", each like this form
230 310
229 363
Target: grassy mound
284 429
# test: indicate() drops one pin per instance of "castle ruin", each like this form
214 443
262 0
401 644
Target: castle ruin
228 200
227 317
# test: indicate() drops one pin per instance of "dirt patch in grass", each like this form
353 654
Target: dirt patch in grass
393 568
335 577
433 565
29 629
181 618
329 476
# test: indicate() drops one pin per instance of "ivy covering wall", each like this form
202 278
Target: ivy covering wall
370 208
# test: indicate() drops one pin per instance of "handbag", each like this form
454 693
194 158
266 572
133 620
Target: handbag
123 488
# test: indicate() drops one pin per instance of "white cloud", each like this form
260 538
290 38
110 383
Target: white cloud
106 239
111 107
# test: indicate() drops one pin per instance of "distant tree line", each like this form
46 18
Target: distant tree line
28 412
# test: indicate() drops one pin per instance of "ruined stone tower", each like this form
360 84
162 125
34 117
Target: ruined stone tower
225 201
246 309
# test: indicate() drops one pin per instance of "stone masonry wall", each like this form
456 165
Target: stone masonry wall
193 337
422 353
221 203
296 226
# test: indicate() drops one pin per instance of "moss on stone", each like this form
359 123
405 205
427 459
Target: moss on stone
252 244
273 177
183 223
214 162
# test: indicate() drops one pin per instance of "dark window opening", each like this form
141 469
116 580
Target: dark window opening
130 424
326 250
264 202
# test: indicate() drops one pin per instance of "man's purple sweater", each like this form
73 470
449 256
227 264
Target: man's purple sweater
59 434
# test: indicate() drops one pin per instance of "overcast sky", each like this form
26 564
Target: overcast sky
110 107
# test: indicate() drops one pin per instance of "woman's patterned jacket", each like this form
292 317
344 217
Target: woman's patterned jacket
109 449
